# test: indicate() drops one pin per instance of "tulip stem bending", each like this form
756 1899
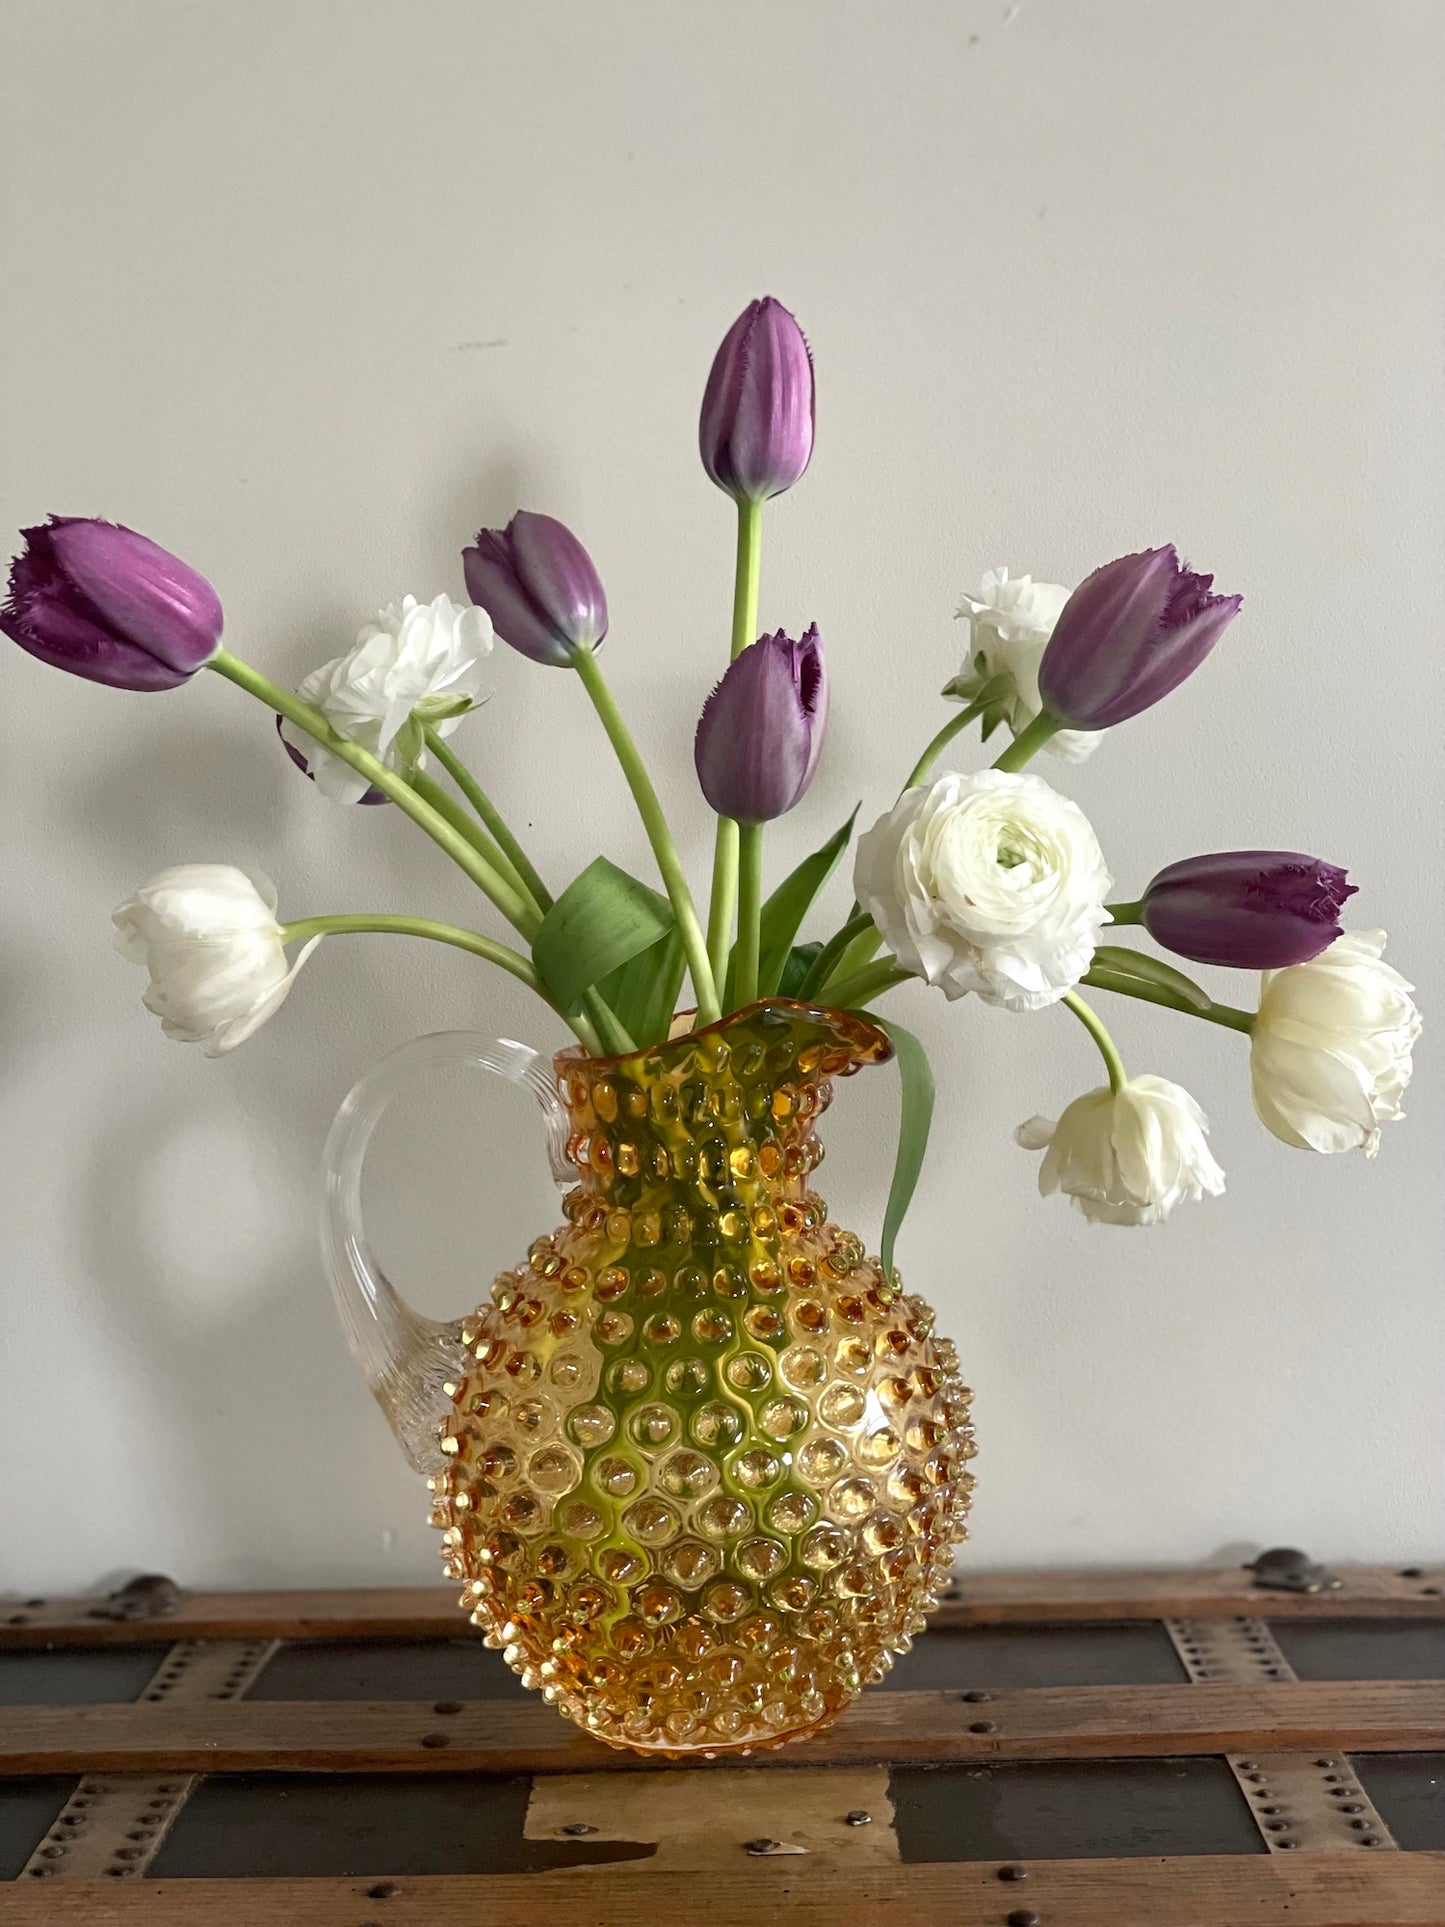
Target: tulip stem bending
750 910
491 852
471 940
1030 739
1108 1050
655 823
487 810
1228 1015
940 742
463 853
831 955
746 578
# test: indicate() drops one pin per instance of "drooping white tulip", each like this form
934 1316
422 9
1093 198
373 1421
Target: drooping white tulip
1127 1156
208 935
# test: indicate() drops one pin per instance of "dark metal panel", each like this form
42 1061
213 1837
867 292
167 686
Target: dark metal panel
1409 1790
355 1825
1363 1648
77 1675
27 1812
1071 1810
388 1669
990 1656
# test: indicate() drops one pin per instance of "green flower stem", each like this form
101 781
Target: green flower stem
1030 739
472 790
867 984
655 823
746 577
285 703
828 959
1108 1050
969 714
1126 912
617 1041
471 940
857 952
750 910
1228 1015
446 806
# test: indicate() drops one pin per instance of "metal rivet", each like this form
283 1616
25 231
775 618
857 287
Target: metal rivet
983 1726
858 1817
433 1740
1013 1872
1352 1806
1283 1846
1412 1572
976 1698
575 1829
1248 1766
1326 1762
447 1706
1372 1840
762 1845
1431 1592
383 1890
1023 1917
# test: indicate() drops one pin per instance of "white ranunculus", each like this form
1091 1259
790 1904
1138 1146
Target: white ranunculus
1127 1156
209 937
992 883
416 657
1329 1054
1010 620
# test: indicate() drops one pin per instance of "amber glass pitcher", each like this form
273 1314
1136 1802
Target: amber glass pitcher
699 1466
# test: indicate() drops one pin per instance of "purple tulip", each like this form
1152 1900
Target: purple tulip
756 431
105 603
1130 633
1248 909
761 731
537 583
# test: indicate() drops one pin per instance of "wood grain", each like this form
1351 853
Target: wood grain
989 1598
1326 1890
501 1736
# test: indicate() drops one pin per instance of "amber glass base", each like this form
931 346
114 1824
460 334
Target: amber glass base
707 1472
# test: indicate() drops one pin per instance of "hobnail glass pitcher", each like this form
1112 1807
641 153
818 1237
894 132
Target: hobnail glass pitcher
699 1465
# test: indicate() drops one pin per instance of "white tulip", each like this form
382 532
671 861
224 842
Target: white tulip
1010 620
417 657
1329 1053
992 883
1126 1156
209 937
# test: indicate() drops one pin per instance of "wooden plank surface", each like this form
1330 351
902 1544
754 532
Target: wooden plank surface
1326 1890
503 1736
989 1598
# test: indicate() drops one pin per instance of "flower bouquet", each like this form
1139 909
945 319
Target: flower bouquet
701 1462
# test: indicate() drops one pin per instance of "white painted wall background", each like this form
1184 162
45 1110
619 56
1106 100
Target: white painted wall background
310 291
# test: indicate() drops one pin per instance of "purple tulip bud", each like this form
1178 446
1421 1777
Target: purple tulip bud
370 795
1248 909
756 432
537 583
1130 633
761 731
105 603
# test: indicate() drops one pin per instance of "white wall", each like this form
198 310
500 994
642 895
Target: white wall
309 290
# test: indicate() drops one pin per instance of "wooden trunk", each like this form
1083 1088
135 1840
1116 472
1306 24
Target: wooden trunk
1130 1749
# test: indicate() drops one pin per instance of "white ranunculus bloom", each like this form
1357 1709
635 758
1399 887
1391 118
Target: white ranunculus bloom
992 883
1010 620
209 937
1329 1054
1126 1156
416 656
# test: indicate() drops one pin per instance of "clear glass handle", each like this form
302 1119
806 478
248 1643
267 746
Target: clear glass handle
408 1358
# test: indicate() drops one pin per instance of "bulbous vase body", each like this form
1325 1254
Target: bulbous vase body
704 1464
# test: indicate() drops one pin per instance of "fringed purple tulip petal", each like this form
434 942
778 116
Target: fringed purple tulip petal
756 429
761 731
105 603
1130 633
539 586
1247 909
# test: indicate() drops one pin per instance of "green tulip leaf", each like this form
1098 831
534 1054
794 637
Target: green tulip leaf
798 968
643 992
915 1118
786 908
1117 961
602 921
